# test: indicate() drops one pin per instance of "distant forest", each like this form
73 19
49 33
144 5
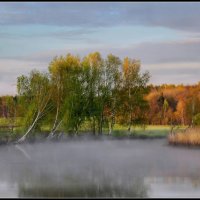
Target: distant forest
167 104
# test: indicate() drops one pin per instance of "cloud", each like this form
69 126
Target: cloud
181 51
33 33
11 69
160 52
67 14
180 16
7 89
20 32
164 52
168 62
176 73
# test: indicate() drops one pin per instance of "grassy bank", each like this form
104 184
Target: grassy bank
189 137
140 132
120 131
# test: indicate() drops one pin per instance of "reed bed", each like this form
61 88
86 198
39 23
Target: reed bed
190 136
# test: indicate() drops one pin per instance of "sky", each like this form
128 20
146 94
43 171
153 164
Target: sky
164 36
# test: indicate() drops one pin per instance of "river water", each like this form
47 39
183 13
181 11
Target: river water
99 168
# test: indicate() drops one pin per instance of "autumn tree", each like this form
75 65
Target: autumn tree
133 90
112 83
93 65
36 90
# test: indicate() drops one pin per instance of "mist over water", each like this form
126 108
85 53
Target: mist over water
99 168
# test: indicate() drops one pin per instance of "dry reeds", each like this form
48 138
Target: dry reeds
190 136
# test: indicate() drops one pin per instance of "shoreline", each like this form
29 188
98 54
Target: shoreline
81 137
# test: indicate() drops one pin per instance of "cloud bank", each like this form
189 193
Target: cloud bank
164 36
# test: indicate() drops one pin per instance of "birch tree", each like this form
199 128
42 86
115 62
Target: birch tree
74 101
112 77
37 91
58 73
134 85
92 65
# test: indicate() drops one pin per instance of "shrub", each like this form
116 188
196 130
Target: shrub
190 136
197 119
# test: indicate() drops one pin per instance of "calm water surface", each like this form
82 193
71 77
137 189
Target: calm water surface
99 168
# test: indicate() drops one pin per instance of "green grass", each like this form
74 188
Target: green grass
120 131
150 131
139 132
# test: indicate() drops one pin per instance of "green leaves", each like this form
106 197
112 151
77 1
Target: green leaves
89 89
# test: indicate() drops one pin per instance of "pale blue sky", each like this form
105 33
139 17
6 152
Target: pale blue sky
164 36
36 38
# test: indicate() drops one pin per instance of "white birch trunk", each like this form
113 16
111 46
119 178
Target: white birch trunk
52 134
22 139
54 125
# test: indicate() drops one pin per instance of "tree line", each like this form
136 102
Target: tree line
99 92
174 104
76 91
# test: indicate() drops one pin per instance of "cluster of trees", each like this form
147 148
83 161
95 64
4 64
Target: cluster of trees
8 106
76 91
100 93
174 104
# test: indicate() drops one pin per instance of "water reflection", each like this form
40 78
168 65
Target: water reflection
71 186
169 187
128 168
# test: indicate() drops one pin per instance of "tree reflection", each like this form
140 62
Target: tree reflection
74 186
